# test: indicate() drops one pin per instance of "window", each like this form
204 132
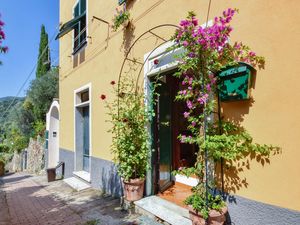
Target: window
80 27
84 96
78 24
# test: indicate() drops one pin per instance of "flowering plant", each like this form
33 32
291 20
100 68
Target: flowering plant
207 51
129 118
3 49
121 16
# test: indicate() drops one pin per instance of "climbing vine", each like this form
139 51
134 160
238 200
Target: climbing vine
208 50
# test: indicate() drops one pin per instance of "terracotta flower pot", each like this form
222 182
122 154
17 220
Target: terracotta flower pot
134 189
215 217
2 168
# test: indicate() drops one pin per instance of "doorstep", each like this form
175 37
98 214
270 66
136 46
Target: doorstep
76 183
177 194
86 176
169 212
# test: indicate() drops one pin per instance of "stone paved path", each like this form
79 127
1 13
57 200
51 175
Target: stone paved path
30 203
30 200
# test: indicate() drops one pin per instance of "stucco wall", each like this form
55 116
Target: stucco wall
269 27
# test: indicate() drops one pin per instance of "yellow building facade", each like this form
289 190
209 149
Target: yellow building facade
90 62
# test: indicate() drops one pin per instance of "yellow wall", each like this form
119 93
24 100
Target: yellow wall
270 27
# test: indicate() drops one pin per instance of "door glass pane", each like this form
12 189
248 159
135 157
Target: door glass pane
86 138
76 11
82 6
82 29
164 135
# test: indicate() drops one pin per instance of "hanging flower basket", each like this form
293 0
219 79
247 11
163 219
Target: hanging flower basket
235 82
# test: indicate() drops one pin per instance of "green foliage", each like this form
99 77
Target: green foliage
39 128
207 51
120 18
23 120
129 118
18 141
4 108
26 119
198 202
4 148
3 158
41 93
44 64
233 143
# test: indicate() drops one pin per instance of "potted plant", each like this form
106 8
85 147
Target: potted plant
208 51
214 210
121 17
129 116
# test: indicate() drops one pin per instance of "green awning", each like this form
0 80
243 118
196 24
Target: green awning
68 26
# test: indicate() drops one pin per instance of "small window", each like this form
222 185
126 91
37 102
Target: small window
80 27
84 96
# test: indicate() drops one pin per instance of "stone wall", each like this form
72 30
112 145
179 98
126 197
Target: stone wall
31 159
15 165
35 155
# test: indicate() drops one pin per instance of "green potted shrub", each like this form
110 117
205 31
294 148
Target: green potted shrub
208 51
129 116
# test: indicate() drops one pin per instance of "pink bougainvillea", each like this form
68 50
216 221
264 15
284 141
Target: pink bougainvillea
207 51
3 49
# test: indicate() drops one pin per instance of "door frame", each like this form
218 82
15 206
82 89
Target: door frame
166 63
151 69
52 125
79 104
155 139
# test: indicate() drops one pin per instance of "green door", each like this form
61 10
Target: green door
164 136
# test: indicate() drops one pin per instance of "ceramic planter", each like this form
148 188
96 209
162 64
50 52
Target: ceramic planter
134 189
215 217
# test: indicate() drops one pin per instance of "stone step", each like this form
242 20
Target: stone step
164 210
76 183
83 175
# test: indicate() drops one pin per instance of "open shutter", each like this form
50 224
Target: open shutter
68 26
121 2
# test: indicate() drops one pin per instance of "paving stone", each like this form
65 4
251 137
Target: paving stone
31 200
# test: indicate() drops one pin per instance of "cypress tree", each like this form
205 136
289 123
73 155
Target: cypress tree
44 62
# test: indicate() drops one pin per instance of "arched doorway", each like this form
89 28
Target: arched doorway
53 135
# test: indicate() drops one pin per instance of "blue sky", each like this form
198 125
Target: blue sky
23 20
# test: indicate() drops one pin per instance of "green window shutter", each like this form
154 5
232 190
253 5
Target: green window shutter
121 2
76 11
68 26
82 6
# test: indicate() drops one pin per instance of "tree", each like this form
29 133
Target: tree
23 120
41 93
44 62
3 49
8 105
